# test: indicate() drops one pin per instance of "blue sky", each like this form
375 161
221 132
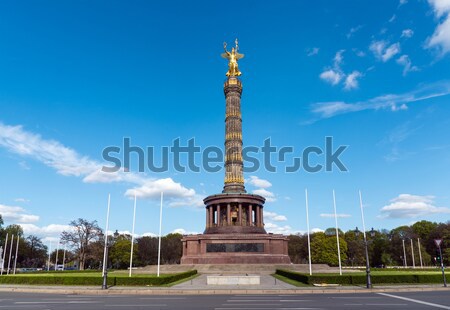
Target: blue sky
78 76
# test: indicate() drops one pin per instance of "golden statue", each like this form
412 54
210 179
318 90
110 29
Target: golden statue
233 57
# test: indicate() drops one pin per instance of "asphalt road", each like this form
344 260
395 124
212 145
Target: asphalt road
410 300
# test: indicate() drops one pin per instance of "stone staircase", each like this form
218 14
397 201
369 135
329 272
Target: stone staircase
234 269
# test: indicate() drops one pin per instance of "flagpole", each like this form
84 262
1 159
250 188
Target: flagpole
64 257
420 253
10 252
160 226
105 250
307 227
49 253
368 277
4 253
17 251
412 254
337 233
132 234
56 258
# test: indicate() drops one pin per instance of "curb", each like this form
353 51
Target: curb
119 291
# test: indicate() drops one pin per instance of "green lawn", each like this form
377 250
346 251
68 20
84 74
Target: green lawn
119 278
117 274
379 276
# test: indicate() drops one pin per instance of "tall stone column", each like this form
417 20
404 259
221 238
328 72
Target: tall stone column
211 216
234 178
218 216
240 214
250 220
258 216
228 214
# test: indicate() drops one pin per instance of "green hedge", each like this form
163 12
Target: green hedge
74 280
360 279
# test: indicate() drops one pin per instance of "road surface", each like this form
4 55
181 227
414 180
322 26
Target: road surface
404 300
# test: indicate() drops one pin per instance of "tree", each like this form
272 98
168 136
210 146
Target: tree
324 249
148 250
171 249
120 252
298 248
35 252
14 229
82 234
355 249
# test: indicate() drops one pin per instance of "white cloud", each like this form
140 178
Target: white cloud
353 30
68 162
16 215
412 206
257 182
393 18
393 102
270 197
276 229
407 33
441 36
358 52
402 2
351 82
312 51
331 76
440 7
316 230
328 215
407 65
21 200
272 216
183 231
382 51
338 58
153 189
334 75
50 231
149 234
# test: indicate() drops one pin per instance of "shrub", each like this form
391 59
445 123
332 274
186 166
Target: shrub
360 279
80 280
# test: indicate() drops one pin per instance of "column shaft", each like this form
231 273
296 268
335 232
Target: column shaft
250 215
240 214
258 213
228 214
218 216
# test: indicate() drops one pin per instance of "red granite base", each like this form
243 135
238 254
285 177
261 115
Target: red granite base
235 249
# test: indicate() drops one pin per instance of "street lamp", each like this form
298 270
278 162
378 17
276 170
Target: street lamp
372 234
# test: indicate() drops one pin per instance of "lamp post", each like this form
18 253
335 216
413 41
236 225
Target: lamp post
366 243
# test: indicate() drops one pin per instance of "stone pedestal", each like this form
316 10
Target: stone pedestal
233 280
235 249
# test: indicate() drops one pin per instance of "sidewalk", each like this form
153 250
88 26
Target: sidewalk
198 286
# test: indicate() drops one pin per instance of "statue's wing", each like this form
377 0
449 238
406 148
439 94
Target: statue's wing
239 56
224 55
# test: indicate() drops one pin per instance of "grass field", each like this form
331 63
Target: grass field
120 277
378 276
117 273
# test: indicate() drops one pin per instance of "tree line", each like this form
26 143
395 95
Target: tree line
397 247
85 244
